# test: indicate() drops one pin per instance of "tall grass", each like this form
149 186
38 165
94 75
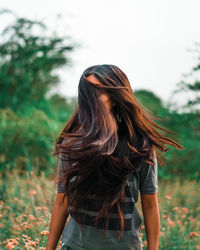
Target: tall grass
26 205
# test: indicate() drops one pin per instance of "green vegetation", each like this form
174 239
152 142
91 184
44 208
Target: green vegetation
26 213
29 120
30 123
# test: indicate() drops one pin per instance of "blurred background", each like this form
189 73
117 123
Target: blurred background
44 48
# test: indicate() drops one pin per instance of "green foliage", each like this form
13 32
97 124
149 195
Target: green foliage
151 102
27 65
26 213
29 121
184 163
62 108
26 142
191 85
185 128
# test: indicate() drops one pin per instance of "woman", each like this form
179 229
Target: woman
107 154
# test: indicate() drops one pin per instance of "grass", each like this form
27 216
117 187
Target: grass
26 205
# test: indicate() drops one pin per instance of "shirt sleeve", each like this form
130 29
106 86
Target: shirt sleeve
149 178
60 186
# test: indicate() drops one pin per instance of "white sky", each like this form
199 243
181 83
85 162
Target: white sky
148 40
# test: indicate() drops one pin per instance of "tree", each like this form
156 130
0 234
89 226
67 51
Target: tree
191 85
28 60
187 124
181 163
29 121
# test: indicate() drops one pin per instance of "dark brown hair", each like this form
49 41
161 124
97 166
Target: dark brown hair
104 147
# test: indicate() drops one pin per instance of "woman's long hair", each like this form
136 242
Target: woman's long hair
104 147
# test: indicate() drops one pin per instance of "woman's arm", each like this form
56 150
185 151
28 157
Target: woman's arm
151 215
58 219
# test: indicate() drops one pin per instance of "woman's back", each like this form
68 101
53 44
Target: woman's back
108 157
88 237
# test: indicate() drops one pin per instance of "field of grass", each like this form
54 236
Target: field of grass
26 204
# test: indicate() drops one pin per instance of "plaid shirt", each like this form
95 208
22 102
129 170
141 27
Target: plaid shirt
145 181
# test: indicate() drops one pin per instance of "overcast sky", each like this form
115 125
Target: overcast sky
148 40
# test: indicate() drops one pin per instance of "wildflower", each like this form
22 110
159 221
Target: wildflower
45 208
37 241
28 247
192 220
32 243
32 192
168 197
25 236
183 216
38 208
10 245
15 242
192 235
31 217
29 225
185 210
45 232
179 211
16 227
170 222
